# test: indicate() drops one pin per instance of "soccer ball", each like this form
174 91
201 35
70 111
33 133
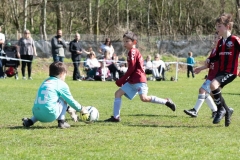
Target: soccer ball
93 114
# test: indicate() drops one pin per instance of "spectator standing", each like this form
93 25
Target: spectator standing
107 46
76 51
190 64
58 45
26 50
2 41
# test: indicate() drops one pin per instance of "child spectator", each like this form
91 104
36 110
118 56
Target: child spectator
134 80
102 73
52 99
190 64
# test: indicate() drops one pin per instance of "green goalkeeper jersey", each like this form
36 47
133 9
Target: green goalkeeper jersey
49 93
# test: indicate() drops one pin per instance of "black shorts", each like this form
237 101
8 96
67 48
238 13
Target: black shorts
224 78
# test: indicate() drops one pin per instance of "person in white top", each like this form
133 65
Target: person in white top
92 64
148 66
107 46
2 41
158 68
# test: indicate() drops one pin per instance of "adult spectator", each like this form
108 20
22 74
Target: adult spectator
92 65
26 50
58 45
162 68
107 46
2 41
158 68
148 66
76 51
112 65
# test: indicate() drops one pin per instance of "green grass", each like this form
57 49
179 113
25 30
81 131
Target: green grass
147 131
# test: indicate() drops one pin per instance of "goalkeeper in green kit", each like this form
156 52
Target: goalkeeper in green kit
53 98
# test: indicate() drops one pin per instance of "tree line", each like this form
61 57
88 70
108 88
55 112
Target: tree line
113 17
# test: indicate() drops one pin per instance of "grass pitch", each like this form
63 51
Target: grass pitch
147 130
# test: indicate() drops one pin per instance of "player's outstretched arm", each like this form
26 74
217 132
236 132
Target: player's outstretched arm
199 69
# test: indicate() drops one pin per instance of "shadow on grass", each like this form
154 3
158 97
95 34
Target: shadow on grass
235 94
37 127
150 115
173 126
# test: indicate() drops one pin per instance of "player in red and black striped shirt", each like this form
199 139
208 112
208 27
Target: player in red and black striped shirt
227 53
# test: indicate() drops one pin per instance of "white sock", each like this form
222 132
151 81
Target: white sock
117 107
199 102
63 108
211 103
155 99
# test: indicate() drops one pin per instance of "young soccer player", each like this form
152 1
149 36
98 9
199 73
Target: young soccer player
134 80
227 53
205 90
52 99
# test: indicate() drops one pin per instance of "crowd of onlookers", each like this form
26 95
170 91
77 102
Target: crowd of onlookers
104 67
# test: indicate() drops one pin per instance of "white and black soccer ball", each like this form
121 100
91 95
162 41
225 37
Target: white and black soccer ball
93 114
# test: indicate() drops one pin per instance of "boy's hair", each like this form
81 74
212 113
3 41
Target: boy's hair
130 35
57 68
189 53
225 19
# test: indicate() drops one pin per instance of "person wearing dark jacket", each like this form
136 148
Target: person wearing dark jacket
76 50
58 45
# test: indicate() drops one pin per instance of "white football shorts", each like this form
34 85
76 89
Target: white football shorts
206 86
131 90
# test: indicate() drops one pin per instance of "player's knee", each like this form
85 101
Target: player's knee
119 93
201 91
144 98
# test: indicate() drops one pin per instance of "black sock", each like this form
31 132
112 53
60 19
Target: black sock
61 121
30 122
218 99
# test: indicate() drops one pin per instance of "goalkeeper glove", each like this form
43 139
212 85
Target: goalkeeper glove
84 114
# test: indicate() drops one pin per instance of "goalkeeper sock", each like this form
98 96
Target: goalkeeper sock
155 99
117 107
34 120
64 110
199 102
